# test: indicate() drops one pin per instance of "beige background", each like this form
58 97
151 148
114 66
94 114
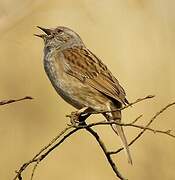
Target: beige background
135 38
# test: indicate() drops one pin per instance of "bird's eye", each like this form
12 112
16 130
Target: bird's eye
60 31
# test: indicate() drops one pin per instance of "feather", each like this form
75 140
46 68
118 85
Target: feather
86 67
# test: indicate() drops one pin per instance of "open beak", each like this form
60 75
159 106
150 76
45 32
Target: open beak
47 32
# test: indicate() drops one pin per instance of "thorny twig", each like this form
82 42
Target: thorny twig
70 130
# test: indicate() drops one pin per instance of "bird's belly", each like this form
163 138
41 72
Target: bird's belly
73 90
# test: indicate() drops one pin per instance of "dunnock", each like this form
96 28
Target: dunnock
81 78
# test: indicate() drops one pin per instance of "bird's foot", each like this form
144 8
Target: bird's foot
78 118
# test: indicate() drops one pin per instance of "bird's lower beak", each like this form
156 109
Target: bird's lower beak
40 35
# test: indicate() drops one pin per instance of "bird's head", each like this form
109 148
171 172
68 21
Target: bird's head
59 37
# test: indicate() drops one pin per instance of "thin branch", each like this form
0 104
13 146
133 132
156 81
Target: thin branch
166 132
103 147
138 118
70 130
39 156
53 141
38 159
138 101
147 125
129 105
34 169
107 154
4 102
45 148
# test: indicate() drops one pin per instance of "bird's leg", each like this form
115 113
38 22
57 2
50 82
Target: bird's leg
79 117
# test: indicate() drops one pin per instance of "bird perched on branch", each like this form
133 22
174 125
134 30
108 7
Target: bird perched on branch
81 78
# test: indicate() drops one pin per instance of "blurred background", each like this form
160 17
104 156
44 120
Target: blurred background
135 38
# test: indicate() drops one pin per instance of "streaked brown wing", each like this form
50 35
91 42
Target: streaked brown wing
84 65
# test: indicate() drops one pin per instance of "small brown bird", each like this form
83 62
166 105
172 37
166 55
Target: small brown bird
81 78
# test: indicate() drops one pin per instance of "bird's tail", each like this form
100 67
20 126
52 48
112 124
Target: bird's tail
116 116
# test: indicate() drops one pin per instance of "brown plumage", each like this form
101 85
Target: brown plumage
81 78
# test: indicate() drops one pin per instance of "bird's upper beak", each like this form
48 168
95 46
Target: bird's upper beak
47 32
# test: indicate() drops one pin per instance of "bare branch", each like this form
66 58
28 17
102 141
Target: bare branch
34 169
138 101
147 125
39 156
130 104
52 141
103 147
37 159
138 118
4 102
70 130
166 132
